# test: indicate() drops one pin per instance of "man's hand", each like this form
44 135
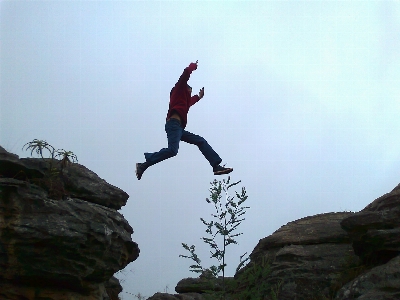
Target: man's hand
193 66
201 93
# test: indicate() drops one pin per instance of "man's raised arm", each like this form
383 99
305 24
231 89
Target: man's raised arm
183 79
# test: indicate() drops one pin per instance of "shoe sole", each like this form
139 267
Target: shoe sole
227 171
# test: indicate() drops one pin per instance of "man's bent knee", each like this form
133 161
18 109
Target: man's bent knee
172 152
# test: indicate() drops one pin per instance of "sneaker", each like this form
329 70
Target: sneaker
218 170
140 168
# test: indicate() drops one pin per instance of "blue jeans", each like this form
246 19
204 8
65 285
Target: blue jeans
175 134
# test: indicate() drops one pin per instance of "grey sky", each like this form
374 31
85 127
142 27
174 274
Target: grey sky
301 99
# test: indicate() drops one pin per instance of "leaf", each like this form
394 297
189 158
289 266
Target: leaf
196 271
206 239
195 267
233 184
214 270
204 222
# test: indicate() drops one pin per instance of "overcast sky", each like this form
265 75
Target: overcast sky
301 99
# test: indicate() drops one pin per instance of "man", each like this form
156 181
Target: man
179 104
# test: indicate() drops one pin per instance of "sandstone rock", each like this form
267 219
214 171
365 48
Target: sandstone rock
84 184
381 282
375 231
113 288
70 243
164 296
201 285
12 167
303 259
318 229
74 180
61 249
20 292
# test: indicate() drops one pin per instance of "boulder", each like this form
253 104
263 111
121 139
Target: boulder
375 235
201 285
381 282
164 296
12 291
71 243
82 183
73 180
318 229
12 167
113 288
301 260
375 230
58 248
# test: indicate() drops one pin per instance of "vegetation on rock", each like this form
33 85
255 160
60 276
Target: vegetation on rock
226 220
52 180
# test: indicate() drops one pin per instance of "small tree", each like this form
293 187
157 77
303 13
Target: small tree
40 145
222 228
52 176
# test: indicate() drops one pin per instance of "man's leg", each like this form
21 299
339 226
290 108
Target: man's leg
174 133
208 152
205 148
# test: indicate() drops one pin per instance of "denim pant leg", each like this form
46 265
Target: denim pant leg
208 152
174 132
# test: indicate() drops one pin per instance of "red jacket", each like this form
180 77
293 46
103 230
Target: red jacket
180 98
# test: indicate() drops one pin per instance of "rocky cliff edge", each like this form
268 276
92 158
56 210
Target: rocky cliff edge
61 236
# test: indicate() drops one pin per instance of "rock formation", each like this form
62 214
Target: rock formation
305 257
61 236
186 296
375 232
328 256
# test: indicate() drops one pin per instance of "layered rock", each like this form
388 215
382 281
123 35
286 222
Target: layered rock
381 282
74 180
165 296
375 230
304 259
84 184
63 245
375 234
205 282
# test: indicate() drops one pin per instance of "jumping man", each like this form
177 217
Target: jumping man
179 104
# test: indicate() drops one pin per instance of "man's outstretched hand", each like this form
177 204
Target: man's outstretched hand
201 93
193 66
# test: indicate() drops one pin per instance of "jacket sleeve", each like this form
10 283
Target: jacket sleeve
194 100
183 79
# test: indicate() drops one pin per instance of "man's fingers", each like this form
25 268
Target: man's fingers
201 93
